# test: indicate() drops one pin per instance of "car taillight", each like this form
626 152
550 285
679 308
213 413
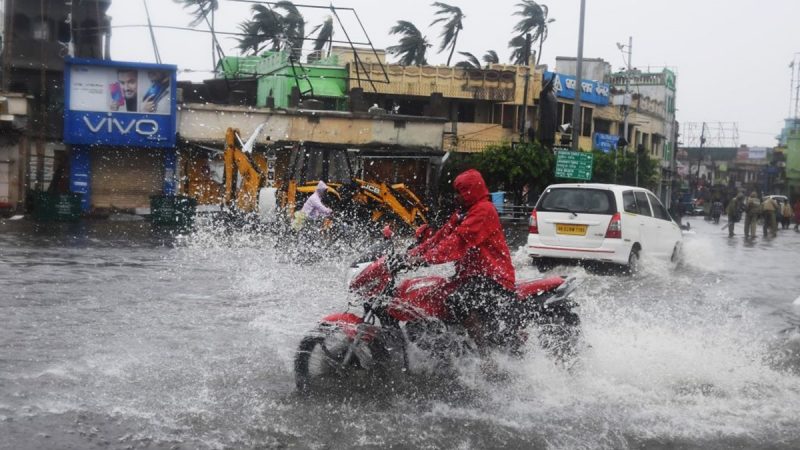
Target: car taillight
614 230
533 223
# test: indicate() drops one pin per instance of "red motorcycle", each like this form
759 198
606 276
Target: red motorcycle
345 345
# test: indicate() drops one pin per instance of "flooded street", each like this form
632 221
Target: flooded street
115 336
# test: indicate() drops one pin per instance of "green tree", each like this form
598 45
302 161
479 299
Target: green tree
412 46
534 21
605 170
453 19
509 168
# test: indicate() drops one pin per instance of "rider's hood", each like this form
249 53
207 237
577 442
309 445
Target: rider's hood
321 187
471 187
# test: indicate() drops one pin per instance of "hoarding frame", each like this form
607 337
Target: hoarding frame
106 122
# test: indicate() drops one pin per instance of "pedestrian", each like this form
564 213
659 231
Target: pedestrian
733 212
787 213
768 210
751 212
796 214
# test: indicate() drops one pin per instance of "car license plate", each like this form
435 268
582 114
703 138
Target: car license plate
574 230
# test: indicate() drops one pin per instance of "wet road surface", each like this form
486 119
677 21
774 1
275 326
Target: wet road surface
115 336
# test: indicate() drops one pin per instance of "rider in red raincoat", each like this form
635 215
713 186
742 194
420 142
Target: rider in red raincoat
473 238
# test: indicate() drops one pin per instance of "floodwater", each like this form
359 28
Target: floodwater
116 336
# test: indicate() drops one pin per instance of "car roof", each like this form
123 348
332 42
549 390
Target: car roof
610 187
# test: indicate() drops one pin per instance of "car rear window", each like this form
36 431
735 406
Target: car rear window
577 200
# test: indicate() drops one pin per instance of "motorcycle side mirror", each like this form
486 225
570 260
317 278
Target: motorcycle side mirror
387 232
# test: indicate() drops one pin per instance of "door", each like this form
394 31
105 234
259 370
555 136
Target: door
647 225
668 232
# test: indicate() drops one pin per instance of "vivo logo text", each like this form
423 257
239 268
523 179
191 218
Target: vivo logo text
113 125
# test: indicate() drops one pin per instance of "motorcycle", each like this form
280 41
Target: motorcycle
345 346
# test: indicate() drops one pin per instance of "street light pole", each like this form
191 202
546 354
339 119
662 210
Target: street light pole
576 111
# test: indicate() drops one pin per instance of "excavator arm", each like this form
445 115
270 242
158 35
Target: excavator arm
244 175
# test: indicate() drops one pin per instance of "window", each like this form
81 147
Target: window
602 126
586 122
658 208
641 204
577 200
629 202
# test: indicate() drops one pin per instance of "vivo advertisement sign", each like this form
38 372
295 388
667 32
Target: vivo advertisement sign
591 91
120 104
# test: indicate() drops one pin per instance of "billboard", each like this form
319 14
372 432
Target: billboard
591 91
119 103
757 153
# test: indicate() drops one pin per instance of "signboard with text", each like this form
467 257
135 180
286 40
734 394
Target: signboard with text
119 103
591 91
605 142
574 164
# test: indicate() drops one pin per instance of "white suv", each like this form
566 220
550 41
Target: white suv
600 222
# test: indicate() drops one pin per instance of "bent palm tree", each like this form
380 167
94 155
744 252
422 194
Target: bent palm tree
453 20
324 34
264 29
519 50
293 26
269 28
201 9
470 63
490 57
412 46
534 21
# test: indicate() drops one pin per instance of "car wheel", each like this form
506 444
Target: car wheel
633 262
541 265
676 254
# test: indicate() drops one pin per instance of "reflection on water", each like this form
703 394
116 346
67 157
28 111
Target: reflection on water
118 335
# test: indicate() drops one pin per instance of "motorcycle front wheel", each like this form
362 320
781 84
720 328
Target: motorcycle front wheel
319 362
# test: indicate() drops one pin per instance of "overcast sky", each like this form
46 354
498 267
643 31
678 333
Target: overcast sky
731 56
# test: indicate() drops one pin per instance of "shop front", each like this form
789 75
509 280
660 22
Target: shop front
120 121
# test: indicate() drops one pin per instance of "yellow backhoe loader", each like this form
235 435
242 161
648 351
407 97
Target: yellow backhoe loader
246 177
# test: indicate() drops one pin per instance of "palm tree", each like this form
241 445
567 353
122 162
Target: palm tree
472 62
268 27
490 57
534 21
201 9
264 29
293 27
412 46
324 34
453 20
519 50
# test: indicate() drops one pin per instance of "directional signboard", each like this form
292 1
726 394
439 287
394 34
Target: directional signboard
574 164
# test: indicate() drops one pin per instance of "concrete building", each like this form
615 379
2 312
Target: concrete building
36 38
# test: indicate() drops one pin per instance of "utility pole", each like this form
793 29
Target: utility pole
627 87
700 155
523 118
576 109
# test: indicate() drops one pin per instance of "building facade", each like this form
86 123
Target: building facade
36 38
